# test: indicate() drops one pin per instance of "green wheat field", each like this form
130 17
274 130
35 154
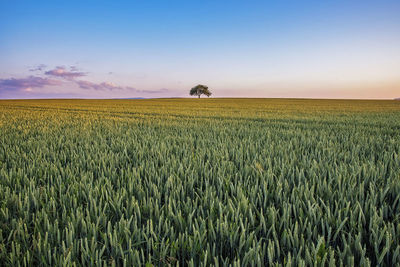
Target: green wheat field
199 182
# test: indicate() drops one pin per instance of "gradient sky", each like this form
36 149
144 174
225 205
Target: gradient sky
112 49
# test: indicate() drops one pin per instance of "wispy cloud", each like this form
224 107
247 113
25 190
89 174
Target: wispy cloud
27 83
98 86
39 67
73 68
63 72
66 80
159 91
108 86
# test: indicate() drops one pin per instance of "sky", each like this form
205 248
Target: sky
129 49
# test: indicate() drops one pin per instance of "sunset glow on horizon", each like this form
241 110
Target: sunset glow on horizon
299 49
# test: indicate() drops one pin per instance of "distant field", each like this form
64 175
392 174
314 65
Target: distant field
199 182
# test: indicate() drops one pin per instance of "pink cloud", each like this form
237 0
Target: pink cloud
98 86
27 83
66 80
162 90
62 72
111 86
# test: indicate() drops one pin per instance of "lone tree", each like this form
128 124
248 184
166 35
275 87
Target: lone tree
200 90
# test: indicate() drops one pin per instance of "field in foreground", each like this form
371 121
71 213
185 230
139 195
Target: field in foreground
199 182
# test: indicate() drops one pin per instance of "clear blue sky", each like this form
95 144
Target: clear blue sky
95 49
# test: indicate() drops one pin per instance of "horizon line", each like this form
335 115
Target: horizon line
177 97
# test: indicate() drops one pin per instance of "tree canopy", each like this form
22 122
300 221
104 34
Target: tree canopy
199 90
